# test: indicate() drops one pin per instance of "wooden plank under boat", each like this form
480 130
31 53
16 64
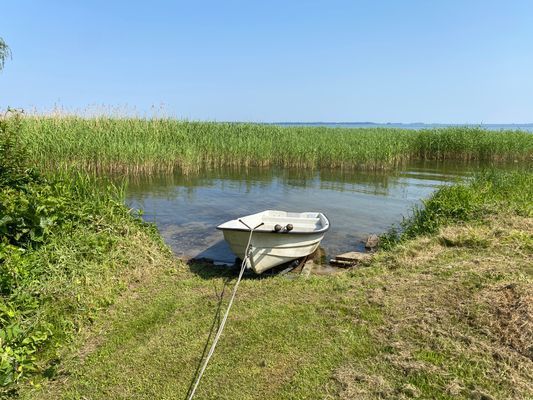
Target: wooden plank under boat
283 237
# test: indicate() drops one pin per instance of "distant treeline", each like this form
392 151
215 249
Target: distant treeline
133 145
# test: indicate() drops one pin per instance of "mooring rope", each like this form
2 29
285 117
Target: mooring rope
223 322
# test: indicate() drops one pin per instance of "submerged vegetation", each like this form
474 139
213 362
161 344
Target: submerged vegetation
133 145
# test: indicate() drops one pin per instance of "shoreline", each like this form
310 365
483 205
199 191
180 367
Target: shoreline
87 284
420 314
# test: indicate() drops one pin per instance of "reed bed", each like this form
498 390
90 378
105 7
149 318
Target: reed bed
139 146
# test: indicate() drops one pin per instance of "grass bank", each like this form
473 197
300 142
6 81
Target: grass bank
445 314
68 248
163 145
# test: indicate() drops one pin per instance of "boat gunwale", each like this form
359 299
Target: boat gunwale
322 230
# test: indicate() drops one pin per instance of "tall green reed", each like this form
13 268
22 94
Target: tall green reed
134 145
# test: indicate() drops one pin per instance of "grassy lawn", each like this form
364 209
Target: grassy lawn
444 316
93 305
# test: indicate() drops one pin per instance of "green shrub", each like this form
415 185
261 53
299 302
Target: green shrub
55 234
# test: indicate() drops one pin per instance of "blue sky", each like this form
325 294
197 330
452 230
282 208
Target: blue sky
382 61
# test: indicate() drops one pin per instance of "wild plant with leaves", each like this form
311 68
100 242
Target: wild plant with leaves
57 234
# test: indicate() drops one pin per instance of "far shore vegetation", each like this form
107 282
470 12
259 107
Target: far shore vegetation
141 146
94 305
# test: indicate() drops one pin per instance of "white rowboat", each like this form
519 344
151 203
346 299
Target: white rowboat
282 237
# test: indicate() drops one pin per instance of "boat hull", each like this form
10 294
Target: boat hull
269 249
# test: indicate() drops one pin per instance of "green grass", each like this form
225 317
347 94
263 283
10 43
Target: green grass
399 328
135 145
438 317
93 305
488 192
68 248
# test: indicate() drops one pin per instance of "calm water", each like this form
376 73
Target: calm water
187 209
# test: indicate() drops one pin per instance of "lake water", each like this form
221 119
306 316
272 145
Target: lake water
186 209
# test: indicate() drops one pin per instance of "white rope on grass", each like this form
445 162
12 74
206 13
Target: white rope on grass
223 322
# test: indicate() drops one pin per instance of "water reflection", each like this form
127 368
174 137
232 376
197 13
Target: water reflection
187 208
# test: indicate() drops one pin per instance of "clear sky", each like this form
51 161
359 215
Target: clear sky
463 61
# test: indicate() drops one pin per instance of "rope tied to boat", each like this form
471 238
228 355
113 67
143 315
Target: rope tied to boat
223 321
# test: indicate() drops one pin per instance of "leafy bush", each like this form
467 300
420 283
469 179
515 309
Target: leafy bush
52 231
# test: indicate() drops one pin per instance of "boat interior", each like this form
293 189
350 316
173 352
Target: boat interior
306 222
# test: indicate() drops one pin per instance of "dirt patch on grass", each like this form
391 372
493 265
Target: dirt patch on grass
511 315
358 385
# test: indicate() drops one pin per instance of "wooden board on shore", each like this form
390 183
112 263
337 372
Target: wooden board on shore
350 259
354 256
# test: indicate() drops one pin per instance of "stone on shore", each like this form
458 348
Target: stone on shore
372 242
